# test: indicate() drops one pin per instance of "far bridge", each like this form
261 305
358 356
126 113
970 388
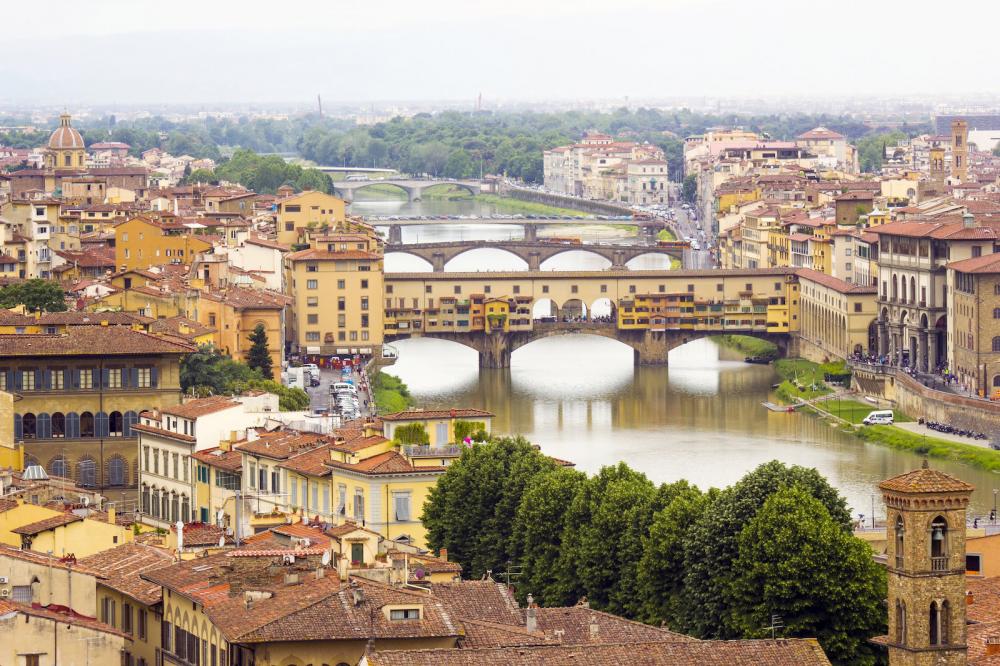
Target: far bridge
413 187
532 252
648 229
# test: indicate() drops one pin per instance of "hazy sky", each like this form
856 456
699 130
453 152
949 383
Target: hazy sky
123 51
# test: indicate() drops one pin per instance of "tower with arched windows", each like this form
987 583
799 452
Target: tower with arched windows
925 546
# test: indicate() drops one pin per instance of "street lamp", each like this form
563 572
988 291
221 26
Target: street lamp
995 491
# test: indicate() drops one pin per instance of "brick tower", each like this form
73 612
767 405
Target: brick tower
925 545
959 150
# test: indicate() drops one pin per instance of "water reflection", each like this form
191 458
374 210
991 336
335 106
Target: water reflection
580 398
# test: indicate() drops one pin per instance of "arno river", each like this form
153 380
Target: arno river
580 398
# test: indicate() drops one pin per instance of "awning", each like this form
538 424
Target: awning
312 350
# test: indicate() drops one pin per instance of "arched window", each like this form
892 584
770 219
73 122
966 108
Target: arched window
174 507
116 424
900 622
144 500
72 425
154 504
895 290
902 290
935 624
116 471
58 425
185 509
58 467
996 313
165 506
945 615
29 426
900 530
913 290
86 424
996 343
86 473
939 544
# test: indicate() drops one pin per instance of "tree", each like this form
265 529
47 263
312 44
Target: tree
210 371
710 546
199 176
661 569
35 295
289 399
411 434
470 509
536 539
797 562
259 356
689 189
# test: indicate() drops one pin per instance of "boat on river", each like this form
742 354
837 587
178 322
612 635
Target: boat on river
759 360
778 408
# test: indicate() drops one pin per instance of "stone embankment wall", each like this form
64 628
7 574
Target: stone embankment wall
585 205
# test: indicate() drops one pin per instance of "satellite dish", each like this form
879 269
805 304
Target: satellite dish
326 558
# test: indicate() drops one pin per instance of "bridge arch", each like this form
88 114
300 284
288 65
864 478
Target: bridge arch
360 187
544 308
453 184
650 261
580 253
465 260
603 307
409 259
574 309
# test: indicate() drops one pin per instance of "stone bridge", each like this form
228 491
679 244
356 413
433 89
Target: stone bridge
647 228
649 347
414 188
532 252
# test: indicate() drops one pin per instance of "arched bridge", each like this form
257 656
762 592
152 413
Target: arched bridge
647 228
531 252
414 188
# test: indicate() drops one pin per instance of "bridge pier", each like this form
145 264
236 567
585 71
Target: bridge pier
495 351
530 233
534 261
395 234
653 347
438 260
414 193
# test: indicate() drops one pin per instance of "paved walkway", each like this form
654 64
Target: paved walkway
919 429
319 396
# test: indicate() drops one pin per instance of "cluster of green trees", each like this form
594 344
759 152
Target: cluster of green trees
714 564
263 173
390 393
452 144
208 371
34 295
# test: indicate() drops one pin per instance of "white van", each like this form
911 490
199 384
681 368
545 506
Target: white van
879 417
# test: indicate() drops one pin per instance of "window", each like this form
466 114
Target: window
86 378
312 284
341 499
312 319
32 660
973 564
312 301
364 302
341 284
22 594
401 505
312 268
252 475
114 378
127 618
312 336
144 377
28 380
857 307
341 303
364 284
57 379
458 289
404 614
359 504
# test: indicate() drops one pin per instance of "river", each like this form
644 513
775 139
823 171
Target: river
580 398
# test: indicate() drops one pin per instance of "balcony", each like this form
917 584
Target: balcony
939 563
450 451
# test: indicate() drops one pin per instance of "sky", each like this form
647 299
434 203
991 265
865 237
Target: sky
202 51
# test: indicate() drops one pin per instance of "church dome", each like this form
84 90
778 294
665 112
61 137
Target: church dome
65 137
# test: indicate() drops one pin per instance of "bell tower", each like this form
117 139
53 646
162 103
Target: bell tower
925 546
959 150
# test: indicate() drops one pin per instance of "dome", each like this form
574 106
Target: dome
65 137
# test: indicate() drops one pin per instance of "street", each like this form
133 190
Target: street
686 228
321 399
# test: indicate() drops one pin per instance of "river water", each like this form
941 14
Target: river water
580 398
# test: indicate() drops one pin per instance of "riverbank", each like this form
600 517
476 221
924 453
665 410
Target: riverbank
390 393
747 344
802 379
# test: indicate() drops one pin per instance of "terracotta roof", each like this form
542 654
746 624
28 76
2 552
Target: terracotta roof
573 625
47 560
479 634
174 324
987 263
782 652
122 565
310 463
941 228
163 432
244 298
192 409
231 461
485 600
834 283
324 255
419 415
985 597
820 133
47 524
203 534
926 480
70 617
90 341
389 462
267 242
281 444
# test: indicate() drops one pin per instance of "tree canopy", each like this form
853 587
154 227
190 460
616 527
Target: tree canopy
259 355
208 371
35 295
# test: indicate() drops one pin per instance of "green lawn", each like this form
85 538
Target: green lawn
802 379
665 235
854 411
748 344
897 438
390 393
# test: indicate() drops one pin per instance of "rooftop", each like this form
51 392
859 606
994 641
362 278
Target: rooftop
926 480
122 565
90 341
423 414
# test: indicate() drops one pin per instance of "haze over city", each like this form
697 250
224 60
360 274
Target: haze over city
259 51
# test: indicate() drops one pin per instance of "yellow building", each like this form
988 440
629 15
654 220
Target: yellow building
234 312
838 317
337 300
973 333
307 210
66 149
142 242
73 534
497 315
127 602
81 391
40 578
218 477
52 637
11 453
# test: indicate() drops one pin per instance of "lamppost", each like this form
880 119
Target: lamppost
994 516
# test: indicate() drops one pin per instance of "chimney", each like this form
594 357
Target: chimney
531 616
969 598
595 629
968 220
111 514
443 554
180 537
992 645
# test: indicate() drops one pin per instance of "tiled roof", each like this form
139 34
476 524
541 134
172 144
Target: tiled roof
267 242
90 341
71 617
479 634
419 415
820 133
163 432
834 283
926 480
575 625
203 534
983 600
281 444
231 461
310 463
244 298
485 600
46 524
173 325
783 652
122 565
389 462
192 409
324 255
47 560
987 263
941 228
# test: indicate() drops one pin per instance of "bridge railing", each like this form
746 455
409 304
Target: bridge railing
559 324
